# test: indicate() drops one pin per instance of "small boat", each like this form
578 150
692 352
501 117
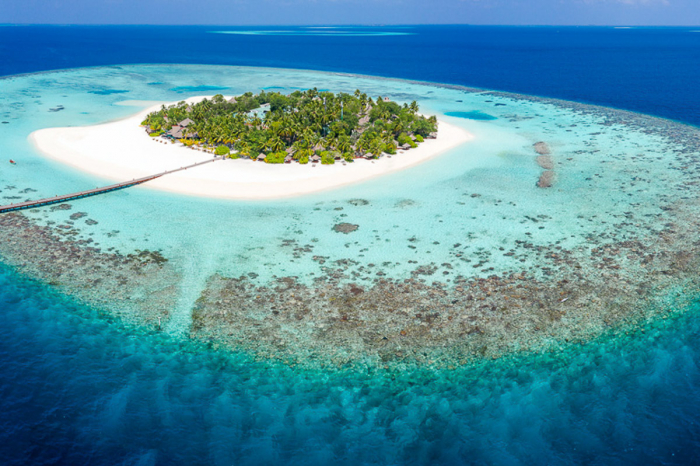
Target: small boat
13 162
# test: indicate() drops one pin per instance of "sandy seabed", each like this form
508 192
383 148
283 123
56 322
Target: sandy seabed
121 151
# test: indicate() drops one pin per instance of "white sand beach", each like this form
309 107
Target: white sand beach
122 151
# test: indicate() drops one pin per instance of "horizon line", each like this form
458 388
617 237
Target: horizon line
356 25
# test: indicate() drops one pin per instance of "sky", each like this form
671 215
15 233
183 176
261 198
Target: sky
359 12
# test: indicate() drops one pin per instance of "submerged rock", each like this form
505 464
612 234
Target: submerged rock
358 202
542 148
545 161
546 179
405 203
61 207
345 228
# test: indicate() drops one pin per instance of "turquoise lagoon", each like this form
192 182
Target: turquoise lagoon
468 215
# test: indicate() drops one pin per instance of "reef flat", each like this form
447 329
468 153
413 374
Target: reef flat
337 322
137 287
583 294
558 224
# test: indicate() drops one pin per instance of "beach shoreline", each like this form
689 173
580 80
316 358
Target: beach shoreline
121 150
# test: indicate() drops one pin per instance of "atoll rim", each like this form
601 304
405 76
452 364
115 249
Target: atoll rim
558 224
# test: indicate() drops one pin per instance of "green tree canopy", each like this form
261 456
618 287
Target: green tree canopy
302 123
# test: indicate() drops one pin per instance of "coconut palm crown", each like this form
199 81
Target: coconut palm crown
295 126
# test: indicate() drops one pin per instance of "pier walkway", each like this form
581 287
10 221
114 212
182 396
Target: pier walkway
94 192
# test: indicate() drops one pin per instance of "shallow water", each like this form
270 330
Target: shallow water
83 389
475 115
467 213
430 204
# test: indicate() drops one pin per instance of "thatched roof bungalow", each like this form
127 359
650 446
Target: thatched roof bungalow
314 159
186 122
261 157
176 132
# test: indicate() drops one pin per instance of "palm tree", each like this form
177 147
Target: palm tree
327 143
275 144
244 149
238 131
363 145
398 126
286 129
343 144
303 148
301 121
376 147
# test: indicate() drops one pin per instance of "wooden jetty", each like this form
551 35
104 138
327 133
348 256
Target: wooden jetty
93 192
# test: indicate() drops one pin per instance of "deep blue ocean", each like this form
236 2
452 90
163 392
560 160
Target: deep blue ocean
75 389
649 70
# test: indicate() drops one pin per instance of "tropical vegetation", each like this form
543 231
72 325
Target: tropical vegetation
302 126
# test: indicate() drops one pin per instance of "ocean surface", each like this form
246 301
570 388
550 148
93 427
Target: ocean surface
649 70
80 387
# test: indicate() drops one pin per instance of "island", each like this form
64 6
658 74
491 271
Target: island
344 140
304 126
